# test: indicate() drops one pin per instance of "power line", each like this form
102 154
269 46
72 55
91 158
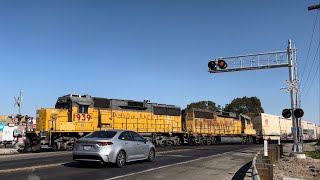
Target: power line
305 63
311 67
312 81
315 56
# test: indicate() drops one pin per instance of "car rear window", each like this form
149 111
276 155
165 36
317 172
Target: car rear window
101 134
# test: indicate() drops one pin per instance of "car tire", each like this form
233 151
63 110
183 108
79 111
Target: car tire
151 155
121 159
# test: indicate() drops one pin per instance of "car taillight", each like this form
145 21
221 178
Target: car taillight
104 143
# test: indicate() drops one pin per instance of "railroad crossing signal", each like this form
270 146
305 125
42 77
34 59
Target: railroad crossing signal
293 85
286 113
213 64
298 113
277 59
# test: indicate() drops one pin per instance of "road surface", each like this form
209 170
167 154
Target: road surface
184 162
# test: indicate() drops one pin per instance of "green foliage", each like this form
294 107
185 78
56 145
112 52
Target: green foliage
313 154
207 105
245 105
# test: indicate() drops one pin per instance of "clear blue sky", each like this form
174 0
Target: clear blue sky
156 50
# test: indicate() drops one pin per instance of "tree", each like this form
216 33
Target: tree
245 105
206 105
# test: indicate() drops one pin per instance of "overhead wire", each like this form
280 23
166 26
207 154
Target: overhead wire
305 84
315 74
312 81
305 62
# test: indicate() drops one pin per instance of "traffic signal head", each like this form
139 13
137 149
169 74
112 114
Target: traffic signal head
212 65
286 113
222 64
298 113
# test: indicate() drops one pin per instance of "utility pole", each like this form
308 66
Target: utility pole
18 101
294 100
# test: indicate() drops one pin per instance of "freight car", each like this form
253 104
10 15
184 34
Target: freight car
75 116
272 127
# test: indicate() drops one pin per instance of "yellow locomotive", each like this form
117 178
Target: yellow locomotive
75 116
207 127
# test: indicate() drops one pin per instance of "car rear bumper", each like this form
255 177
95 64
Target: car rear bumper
94 157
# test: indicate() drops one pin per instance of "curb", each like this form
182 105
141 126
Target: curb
255 175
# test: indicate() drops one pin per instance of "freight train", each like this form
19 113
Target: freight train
77 115
274 127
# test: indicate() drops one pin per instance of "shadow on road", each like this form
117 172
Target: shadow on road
241 173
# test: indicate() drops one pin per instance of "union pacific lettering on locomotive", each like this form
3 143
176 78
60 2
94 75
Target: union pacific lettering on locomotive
75 116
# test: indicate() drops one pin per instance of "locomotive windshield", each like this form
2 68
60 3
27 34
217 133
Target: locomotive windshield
63 104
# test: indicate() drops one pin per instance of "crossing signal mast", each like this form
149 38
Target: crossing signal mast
268 60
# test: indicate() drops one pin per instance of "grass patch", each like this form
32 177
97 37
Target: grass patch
313 154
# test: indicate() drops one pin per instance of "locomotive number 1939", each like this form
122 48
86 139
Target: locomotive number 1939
82 117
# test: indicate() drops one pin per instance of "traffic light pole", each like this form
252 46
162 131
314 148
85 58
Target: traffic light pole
268 60
294 100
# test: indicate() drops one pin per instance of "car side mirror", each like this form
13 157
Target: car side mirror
145 140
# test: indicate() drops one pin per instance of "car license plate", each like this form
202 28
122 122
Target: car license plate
87 148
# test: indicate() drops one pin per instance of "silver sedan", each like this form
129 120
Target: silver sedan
113 146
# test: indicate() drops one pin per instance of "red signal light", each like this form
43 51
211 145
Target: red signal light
222 64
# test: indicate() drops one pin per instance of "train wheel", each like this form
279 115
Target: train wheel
209 142
204 142
168 143
244 140
218 140
214 141
35 144
55 146
191 142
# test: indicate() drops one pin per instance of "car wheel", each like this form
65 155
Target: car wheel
151 155
121 159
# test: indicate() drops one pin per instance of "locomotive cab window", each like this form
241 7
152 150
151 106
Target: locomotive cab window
83 108
62 105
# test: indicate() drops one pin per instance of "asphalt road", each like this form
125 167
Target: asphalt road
59 165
